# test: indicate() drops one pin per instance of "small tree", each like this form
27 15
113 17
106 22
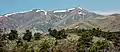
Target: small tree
37 36
13 35
53 32
62 34
84 41
58 34
28 35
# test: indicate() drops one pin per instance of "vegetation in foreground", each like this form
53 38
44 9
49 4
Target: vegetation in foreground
69 40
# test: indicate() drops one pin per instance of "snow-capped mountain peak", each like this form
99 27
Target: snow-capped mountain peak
45 18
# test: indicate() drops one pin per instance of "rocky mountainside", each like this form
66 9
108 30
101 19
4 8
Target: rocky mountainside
106 23
42 20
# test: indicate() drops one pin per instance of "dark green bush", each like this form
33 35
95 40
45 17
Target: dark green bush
27 36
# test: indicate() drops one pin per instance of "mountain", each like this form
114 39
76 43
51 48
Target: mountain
42 20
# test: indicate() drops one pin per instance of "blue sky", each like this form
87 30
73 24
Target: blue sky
7 6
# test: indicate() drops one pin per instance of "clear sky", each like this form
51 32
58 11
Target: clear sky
7 6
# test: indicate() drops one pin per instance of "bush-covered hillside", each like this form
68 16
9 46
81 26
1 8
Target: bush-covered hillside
65 40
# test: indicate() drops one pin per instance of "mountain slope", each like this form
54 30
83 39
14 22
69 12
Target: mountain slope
110 22
42 20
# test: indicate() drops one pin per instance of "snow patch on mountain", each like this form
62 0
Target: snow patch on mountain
45 13
25 11
9 14
80 13
42 11
71 9
38 10
80 8
60 11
